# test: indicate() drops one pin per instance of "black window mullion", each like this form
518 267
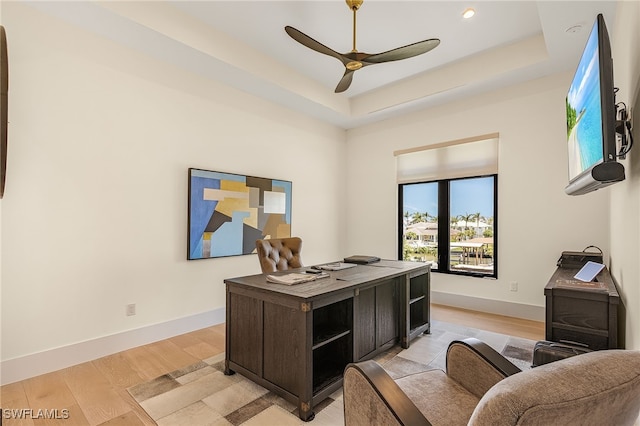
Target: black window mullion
443 225
400 221
495 226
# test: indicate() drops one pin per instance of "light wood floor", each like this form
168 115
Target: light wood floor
527 329
94 393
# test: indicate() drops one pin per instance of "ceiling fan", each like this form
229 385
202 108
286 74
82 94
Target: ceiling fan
355 60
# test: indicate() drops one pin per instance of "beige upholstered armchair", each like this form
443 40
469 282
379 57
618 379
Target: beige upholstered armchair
279 254
481 387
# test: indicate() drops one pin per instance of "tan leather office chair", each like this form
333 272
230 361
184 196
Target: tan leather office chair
279 254
481 387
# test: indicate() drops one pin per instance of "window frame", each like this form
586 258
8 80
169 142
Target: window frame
444 212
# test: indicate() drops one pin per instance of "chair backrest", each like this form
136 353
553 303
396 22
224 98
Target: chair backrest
279 254
597 388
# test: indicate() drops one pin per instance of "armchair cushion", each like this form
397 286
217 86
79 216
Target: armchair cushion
279 254
440 398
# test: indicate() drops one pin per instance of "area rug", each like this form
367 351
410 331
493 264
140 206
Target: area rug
201 394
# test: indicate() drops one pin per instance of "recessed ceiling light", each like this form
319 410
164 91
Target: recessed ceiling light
468 13
574 29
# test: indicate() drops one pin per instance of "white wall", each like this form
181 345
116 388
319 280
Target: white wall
95 209
536 220
625 196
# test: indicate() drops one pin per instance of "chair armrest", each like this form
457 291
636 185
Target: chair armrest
477 366
371 396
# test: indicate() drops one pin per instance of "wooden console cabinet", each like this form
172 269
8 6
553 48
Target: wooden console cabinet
296 340
584 313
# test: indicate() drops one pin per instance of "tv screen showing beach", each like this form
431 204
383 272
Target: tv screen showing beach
584 118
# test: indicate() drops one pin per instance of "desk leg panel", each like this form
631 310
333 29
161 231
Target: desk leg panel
284 347
364 323
244 332
387 313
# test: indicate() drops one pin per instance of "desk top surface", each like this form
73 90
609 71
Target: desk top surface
337 280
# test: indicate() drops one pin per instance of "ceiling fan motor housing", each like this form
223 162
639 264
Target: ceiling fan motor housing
354 4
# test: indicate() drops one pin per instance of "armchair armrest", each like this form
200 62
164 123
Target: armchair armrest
477 366
372 397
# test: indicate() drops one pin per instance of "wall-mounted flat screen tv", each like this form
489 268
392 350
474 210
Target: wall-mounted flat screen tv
591 117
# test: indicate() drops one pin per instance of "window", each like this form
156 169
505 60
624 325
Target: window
447 205
450 223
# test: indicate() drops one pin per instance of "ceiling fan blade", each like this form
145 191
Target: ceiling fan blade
345 82
307 41
403 52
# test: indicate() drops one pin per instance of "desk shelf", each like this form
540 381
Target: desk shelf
417 299
329 362
332 342
329 336
418 307
416 316
332 322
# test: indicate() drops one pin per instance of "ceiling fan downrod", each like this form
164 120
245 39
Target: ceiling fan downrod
354 5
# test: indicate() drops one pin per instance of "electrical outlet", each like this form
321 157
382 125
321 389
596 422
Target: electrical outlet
513 286
130 309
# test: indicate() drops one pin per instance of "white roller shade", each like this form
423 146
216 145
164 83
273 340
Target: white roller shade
461 158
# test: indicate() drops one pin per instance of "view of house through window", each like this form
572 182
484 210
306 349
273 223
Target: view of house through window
450 223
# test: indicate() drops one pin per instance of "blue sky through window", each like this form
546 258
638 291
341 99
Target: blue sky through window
467 196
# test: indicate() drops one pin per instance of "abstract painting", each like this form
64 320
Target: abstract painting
229 212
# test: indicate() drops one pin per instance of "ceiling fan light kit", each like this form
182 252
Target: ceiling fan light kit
355 60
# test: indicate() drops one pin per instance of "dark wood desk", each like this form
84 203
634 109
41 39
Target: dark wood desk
585 313
296 340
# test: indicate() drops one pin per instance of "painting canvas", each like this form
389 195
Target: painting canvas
229 212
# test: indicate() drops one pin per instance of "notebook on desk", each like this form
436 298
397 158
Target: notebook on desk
335 266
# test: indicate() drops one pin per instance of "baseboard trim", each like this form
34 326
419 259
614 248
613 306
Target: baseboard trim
499 307
22 368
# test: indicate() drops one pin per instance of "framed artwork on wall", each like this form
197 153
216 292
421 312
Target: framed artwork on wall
229 212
